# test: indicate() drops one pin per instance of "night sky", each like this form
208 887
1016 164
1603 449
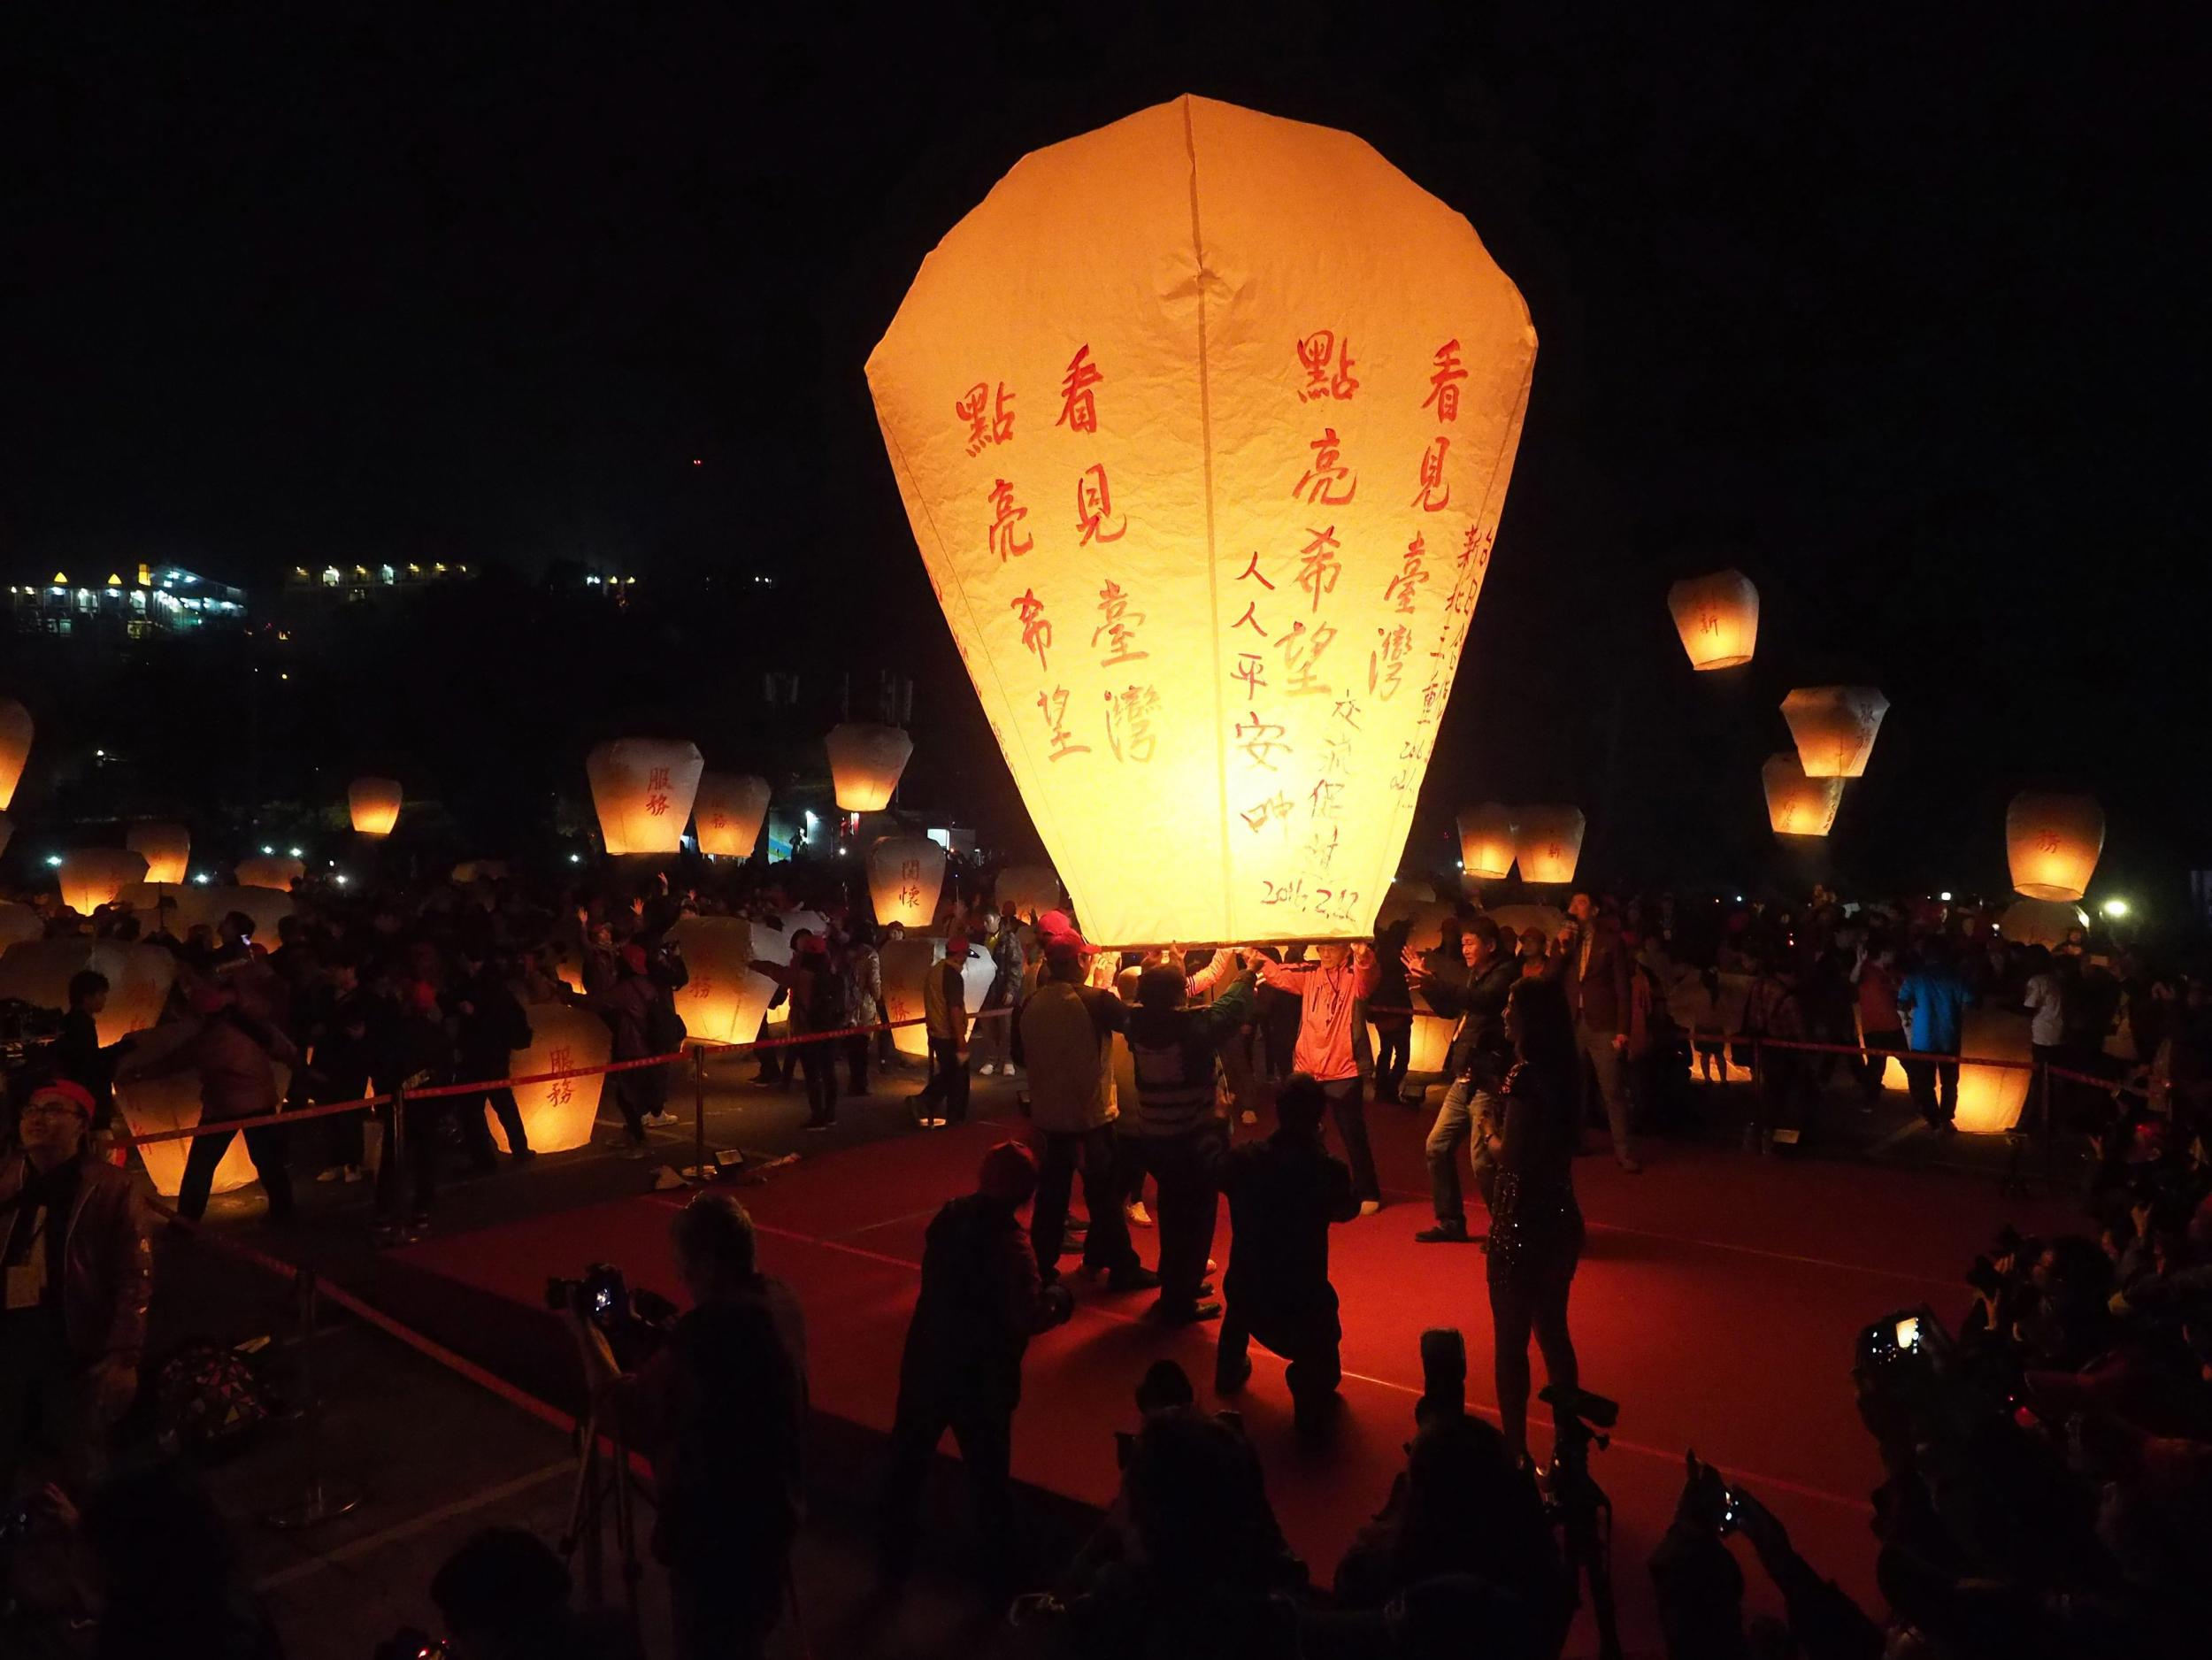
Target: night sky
1900 314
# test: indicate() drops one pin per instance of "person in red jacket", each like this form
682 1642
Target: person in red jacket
1331 989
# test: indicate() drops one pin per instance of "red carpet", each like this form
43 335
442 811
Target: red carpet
1718 1303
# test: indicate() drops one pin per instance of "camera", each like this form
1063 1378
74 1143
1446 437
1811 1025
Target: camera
1898 1339
636 1323
408 1643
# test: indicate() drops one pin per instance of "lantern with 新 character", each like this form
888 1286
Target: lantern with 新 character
375 803
905 876
1203 422
1717 616
272 870
728 814
726 997
2052 842
557 1113
1547 841
865 762
643 788
166 849
1797 806
2045 922
92 877
1033 889
1485 842
15 747
1834 728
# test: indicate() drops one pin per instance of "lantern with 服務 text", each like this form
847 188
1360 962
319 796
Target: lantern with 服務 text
1547 841
557 1113
92 877
728 814
15 747
1203 422
1485 842
167 849
1717 616
375 803
905 876
643 788
865 762
1797 806
726 997
2052 842
1033 889
1833 728
272 870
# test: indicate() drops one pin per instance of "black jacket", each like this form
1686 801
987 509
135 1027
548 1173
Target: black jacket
1478 1047
1283 1193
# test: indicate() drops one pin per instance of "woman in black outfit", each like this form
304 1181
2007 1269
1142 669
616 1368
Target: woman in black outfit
1535 1227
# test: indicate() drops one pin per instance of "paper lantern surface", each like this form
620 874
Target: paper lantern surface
906 874
18 923
728 814
374 804
904 964
274 873
559 1113
2052 842
725 998
1990 1097
1717 616
1797 806
1485 842
1428 1044
643 789
15 747
865 762
92 877
1547 842
1834 728
38 971
1203 422
166 849
1034 890
2040 921
150 1105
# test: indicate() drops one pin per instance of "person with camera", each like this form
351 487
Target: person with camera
981 1301
79 1273
1476 1064
720 1412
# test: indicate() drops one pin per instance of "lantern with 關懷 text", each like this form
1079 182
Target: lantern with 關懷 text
1797 806
725 996
728 814
1547 842
92 877
643 788
2052 842
1031 890
865 762
166 848
1834 728
1717 616
905 876
15 747
1485 842
275 872
1205 477
375 803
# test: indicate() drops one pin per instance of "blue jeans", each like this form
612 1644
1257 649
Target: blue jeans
1467 1115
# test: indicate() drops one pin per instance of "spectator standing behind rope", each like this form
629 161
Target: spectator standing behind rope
411 1051
1933 999
1331 991
235 1054
944 1099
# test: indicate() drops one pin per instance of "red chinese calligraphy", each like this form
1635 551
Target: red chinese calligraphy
1129 717
1302 651
1005 535
1077 412
1036 631
560 1091
1328 367
1251 673
1054 706
1250 620
990 418
1386 665
1251 573
1317 566
1434 494
1094 514
657 791
1119 626
1260 739
1277 809
1405 586
1444 384
1326 481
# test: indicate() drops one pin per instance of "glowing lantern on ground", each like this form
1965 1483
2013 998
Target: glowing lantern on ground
559 1113
905 963
905 876
92 877
865 762
1834 728
1990 1097
15 746
725 998
172 1101
1430 1042
728 814
18 923
1174 483
1717 616
37 972
1033 888
2040 921
166 848
1485 842
1797 806
1547 841
375 803
643 788
273 871
2052 842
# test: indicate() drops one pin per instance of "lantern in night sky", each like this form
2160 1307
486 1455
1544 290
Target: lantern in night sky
1547 841
1485 842
1033 888
2042 921
643 788
557 1113
1717 616
15 747
92 877
1797 806
728 814
2052 842
865 762
166 849
1834 728
274 871
725 998
375 803
905 876
1203 422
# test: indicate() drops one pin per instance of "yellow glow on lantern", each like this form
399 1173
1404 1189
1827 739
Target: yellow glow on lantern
172 1101
728 814
375 803
2040 921
558 1114
92 877
272 870
1180 482
906 874
1717 616
15 747
865 762
1990 1097
725 998
37 972
643 789
1485 842
1797 806
1834 728
1547 842
166 849
2052 842
904 964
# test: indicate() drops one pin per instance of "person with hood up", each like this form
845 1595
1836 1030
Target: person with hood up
1331 989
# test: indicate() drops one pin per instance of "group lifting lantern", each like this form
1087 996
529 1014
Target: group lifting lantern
1834 728
1208 502
643 788
375 803
728 814
1797 806
166 848
726 997
1485 842
865 762
92 877
1547 841
1717 616
2052 842
905 876
557 1113
15 747
1033 889
272 870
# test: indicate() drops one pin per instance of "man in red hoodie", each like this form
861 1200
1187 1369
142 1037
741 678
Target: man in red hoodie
1332 988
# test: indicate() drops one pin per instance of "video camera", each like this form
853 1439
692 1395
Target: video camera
408 1643
636 1324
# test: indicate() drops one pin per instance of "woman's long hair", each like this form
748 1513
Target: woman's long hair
1544 1027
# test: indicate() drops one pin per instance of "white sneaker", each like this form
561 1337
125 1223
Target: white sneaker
989 1069
336 1172
1368 1207
658 1120
1138 1216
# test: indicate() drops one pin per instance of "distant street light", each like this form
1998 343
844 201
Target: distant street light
2115 907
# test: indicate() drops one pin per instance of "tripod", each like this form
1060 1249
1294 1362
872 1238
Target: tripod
1578 1507
603 1489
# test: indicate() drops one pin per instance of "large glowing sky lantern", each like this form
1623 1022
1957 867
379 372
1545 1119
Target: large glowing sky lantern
906 874
1547 842
557 1112
2052 842
1834 728
1203 422
1717 616
726 997
865 762
15 746
92 877
1485 842
643 789
1797 806
373 805
166 849
729 813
